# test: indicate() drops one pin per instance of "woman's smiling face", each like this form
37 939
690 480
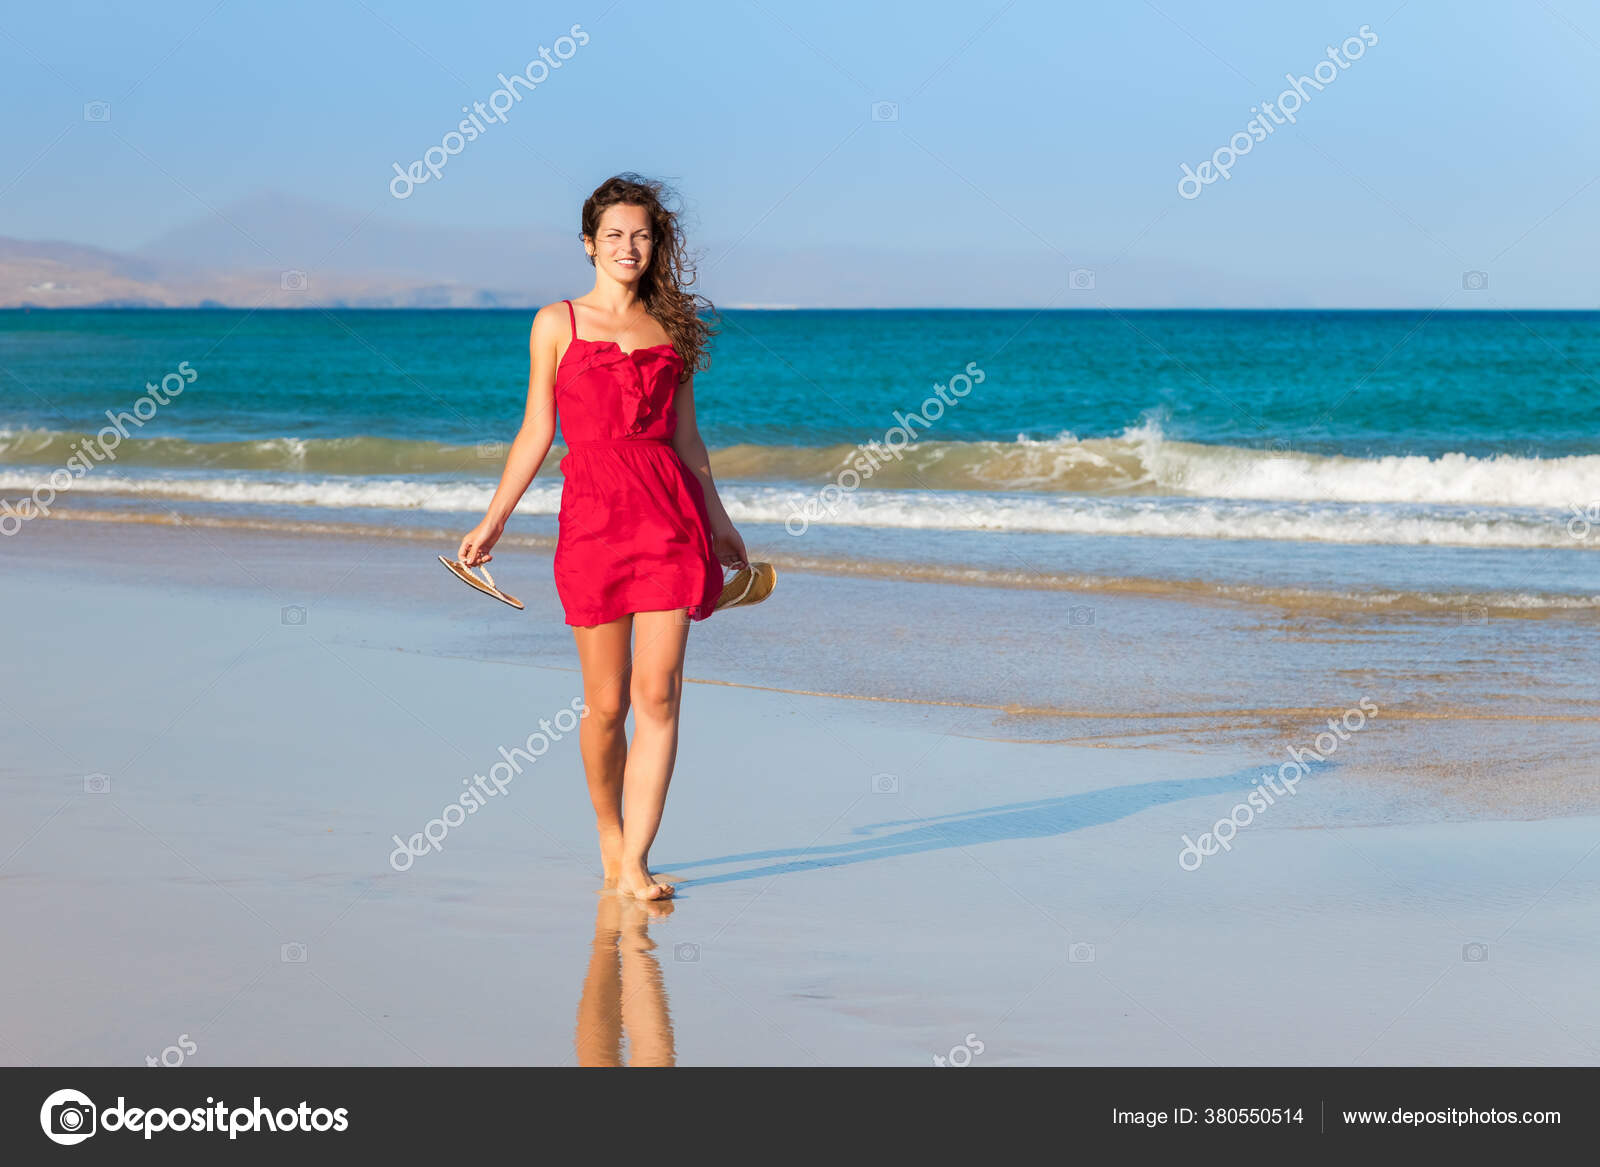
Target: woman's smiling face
622 241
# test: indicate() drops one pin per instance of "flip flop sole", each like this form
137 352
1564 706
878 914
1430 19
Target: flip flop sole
750 585
463 573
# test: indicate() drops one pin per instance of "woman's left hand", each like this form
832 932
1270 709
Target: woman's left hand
727 544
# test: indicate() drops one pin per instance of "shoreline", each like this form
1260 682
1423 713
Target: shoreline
1287 600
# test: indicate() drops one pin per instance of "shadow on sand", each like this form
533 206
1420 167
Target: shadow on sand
996 824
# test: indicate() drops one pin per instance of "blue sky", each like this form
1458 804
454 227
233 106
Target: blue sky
1030 139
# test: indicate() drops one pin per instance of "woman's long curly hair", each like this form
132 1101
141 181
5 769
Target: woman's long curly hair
664 285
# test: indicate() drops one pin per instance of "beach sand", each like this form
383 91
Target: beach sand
211 738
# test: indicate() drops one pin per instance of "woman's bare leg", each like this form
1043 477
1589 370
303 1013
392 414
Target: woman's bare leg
603 655
654 693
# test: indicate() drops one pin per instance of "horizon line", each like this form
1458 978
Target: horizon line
113 307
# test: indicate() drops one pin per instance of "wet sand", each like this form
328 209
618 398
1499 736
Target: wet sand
212 737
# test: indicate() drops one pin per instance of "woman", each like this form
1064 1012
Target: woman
643 534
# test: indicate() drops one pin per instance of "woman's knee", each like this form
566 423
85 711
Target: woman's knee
656 698
608 708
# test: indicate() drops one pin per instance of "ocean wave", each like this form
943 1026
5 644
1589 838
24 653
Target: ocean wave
1143 461
444 495
1165 518
798 509
1139 461
351 456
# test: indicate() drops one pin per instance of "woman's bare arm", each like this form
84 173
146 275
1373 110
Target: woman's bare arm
533 439
691 448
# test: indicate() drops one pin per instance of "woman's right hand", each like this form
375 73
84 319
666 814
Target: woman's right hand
476 545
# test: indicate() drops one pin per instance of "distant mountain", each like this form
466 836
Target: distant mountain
282 232
64 275
50 273
281 251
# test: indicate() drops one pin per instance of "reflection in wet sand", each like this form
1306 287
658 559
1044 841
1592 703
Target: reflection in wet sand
624 996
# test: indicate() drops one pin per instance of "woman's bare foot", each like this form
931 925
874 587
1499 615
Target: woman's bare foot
635 880
611 854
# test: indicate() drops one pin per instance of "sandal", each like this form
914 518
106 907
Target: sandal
486 585
751 584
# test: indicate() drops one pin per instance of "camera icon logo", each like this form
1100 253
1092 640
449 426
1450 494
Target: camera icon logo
885 784
1583 521
1080 279
491 451
960 1056
1475 616
294 616
97 784
1474 952
97 111
68 1117
687 953
1080 616
293 281
1081 953
885 111
292 953
1474 281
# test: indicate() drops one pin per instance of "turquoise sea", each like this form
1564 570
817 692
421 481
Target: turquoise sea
1383 456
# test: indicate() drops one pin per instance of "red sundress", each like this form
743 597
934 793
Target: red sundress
634 532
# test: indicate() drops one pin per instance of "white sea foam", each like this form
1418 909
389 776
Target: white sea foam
1139 461
389 494
1136 515
1235 472
1175 518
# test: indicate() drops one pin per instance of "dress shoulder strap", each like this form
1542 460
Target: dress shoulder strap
574 318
